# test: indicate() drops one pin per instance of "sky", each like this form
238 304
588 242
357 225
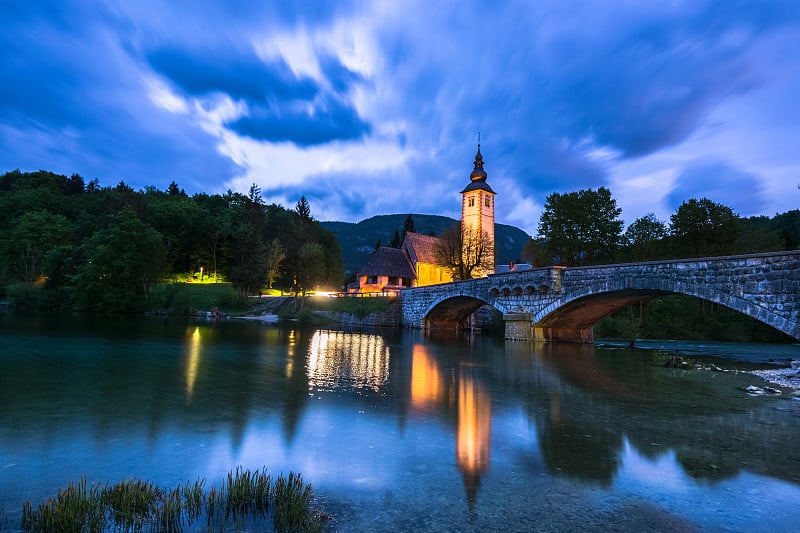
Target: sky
376 107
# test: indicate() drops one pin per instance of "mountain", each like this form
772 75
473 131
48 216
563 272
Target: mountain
357 239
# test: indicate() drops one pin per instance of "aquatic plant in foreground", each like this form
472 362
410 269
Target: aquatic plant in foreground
135 505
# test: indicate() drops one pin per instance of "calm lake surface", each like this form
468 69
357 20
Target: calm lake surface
398 431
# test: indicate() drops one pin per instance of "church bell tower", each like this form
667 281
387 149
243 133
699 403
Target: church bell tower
477 215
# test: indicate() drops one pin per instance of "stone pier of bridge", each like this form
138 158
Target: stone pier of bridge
563 304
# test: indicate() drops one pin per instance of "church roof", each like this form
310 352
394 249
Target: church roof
420 248
478 186
387 261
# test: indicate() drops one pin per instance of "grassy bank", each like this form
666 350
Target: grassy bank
189 298
358 307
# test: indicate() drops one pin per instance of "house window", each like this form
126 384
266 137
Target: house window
471 202
488 201
372 280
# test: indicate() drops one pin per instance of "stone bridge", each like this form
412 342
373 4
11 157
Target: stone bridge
563 304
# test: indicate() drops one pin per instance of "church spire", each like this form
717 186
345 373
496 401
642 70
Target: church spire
478 174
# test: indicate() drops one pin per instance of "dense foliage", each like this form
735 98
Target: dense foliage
66 243
582 228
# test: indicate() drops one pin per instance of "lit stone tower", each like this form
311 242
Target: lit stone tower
477 215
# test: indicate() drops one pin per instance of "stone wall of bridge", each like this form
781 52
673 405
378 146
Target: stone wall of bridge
560 303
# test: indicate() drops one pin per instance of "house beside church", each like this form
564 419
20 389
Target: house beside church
421 251
387 270
414 263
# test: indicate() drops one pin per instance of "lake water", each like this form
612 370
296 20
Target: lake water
399 431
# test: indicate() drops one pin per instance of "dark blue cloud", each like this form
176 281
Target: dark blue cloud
341 78
721 183
240 74
331 119
281 107
349 201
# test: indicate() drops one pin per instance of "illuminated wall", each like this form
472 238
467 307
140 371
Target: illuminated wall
428 274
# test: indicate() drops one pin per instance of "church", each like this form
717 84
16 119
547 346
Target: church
416 263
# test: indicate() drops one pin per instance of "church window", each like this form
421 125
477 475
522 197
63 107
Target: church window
471 202
488 201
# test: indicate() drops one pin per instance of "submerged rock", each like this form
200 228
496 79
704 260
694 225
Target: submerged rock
752 390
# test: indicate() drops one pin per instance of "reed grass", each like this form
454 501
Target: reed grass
77 508
135 505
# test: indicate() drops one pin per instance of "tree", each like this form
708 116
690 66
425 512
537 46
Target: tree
254 195
32 236
303 209
530 252
177 218
408 225
788 226
121 263
463 253
395 242
580 227
276 253
174 190
448 251
643 237
311 273
702 227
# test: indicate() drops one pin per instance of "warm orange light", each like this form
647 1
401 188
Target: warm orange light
474 426
427 387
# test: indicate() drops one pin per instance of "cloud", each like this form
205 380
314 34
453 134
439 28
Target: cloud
279 105
719 182
72 102
365 105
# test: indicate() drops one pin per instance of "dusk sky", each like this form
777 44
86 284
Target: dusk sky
375 107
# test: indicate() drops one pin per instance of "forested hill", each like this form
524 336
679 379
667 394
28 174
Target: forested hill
357 240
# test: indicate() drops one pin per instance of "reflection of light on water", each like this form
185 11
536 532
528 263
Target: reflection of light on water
474 426
194 360
290 354
354 360
426 380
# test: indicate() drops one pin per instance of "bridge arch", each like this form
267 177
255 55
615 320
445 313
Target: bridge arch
453 312
573 316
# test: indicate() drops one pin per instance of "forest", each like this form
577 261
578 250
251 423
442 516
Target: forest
69 244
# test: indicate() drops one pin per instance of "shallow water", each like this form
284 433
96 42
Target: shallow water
397 431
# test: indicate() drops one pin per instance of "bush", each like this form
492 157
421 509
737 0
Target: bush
24 297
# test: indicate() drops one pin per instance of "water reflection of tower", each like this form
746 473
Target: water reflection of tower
473 406
474 432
